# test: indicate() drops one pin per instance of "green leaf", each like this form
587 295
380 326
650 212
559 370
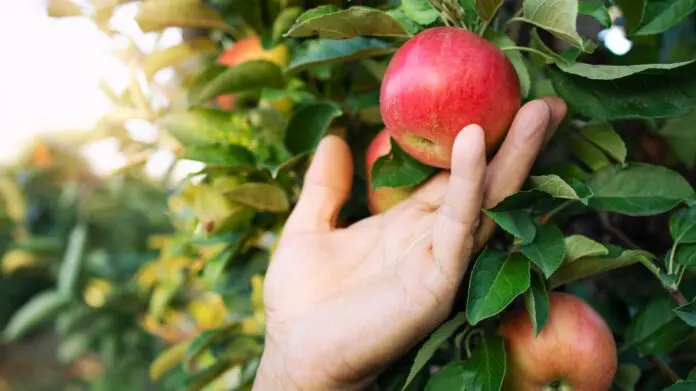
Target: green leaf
349 23
555 186
421 11
324 51
579 246
627 376
37 310
285 20
72 261
167 360
399 169
518 223
547 250
605 137
484 371
503 41
318 12
454 376
656 329
682 385
203 342
588 153
309 124
652 93
232 156
407 23
595 10
660 15
260 196
687 313
199 126
680 134
536 299
686 255
557 17
436 339
638 189
632 11
496 280
682 225
206 376
548 54
612 72
591 265
249 75
486 9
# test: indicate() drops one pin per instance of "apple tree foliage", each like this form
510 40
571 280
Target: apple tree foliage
608 214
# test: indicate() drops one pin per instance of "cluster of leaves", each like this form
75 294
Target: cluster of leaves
621 160
74 242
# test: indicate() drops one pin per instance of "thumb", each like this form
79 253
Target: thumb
326 187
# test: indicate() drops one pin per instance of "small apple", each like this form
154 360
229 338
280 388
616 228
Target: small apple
442 80
384 198
249 49
575 350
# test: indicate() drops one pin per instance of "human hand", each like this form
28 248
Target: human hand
343 303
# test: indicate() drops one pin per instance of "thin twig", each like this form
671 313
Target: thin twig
664 369
628 242
672 289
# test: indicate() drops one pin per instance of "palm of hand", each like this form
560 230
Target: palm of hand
343 303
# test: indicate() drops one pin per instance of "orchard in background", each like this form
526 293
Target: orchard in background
598 249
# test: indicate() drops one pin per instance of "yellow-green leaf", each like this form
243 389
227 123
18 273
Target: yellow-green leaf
156 15
260 196
168 360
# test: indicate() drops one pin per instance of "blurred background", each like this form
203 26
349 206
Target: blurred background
111 254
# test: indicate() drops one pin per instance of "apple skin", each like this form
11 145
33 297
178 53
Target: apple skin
442 80
382 199
575 351
249 49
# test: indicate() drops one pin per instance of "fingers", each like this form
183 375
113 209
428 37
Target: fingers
458 215
533 126
326 187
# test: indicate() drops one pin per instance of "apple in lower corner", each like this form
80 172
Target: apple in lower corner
575 350
442 80
382 199
249 49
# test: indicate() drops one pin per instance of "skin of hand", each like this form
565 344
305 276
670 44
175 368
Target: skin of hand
344 303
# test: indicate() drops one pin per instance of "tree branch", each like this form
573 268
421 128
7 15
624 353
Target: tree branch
664 369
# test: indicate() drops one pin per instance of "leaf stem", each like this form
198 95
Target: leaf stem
670 263
543 219
467 341
604 219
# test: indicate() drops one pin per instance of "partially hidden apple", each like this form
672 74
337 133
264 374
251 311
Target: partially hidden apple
575 350
442 80
249 49
384 198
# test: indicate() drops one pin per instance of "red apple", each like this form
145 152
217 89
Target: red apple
442 80
384 198
575 351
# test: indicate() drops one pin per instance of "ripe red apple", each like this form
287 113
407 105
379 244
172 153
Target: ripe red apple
442 80
575 351
382 199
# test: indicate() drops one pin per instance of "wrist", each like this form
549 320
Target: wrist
271 374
